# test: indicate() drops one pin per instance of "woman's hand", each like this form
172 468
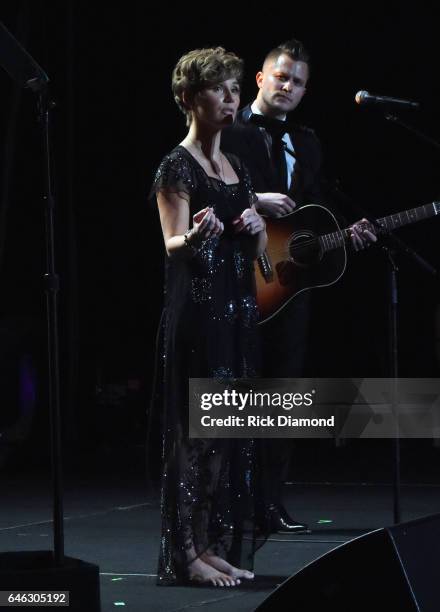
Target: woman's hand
205 225
249 222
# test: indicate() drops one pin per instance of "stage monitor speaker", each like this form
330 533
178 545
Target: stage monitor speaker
35 571
395 569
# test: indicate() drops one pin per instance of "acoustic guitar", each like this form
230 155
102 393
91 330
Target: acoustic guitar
306 249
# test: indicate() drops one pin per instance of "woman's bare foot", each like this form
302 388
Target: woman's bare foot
223 566
204 573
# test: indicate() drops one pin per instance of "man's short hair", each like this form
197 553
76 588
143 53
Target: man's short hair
203 68
293 48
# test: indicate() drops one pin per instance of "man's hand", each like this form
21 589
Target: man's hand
274 204
362 235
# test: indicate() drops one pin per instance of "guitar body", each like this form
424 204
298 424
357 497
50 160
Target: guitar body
296 258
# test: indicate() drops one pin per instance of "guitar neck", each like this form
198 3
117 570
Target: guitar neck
383 225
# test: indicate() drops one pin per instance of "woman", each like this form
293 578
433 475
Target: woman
212 233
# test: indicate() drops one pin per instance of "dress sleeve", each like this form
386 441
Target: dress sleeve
174 175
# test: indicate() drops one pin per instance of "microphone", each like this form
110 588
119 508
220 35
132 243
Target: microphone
363 97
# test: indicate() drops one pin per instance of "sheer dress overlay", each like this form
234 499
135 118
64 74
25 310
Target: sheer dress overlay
210 499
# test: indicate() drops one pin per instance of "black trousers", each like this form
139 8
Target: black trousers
285 347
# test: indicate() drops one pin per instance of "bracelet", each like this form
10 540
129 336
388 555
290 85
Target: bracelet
194 249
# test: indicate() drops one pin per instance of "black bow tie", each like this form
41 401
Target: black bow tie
275 127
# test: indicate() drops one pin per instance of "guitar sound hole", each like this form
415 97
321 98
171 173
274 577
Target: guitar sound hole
304 249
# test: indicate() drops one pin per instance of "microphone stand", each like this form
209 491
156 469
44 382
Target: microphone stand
58 569
393 313
394 245
412 129
52 284
28 74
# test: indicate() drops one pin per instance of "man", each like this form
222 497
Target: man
284 161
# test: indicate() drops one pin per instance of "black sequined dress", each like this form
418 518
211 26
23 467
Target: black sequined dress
209 486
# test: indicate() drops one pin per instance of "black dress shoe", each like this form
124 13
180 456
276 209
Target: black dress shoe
280 521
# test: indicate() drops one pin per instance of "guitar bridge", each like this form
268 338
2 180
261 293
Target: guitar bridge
265 266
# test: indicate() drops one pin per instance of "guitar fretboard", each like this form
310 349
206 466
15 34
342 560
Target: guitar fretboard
387 224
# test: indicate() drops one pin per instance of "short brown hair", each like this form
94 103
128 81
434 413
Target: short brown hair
203 68
293 48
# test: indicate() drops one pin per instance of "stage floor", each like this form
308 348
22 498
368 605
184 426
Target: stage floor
110 520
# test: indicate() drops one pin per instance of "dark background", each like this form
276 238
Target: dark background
110 69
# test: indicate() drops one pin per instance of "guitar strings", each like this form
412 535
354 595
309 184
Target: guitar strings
342 235
306 243
293 247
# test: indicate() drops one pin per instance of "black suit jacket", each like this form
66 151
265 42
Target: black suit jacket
246 140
